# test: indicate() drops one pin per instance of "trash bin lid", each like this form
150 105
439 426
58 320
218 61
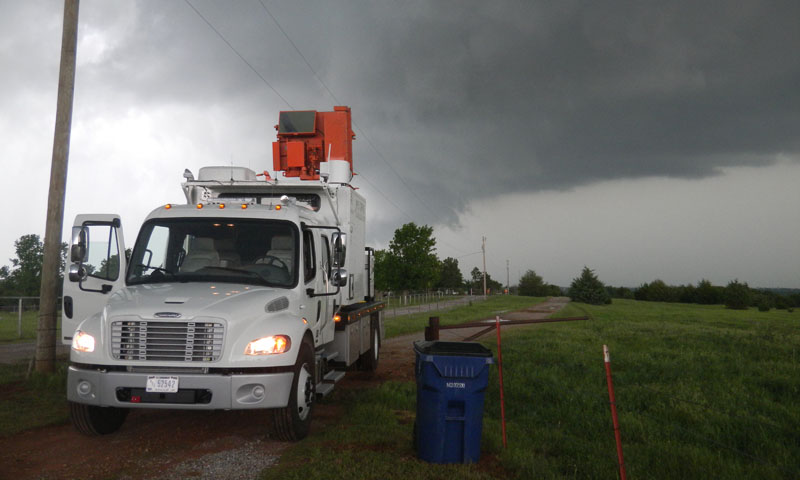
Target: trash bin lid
458 349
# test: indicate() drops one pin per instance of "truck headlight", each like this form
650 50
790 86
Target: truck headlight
83 342
268 345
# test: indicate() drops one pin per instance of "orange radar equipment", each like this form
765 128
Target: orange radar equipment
308 138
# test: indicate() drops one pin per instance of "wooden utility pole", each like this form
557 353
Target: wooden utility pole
508 279
48 321
483 249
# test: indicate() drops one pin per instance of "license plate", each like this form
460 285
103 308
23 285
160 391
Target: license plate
162 384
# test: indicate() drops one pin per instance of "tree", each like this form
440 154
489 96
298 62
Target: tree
737 295
477 282
533 285
411 262
707 294
588 289
25 275
450 276
657 291
382 271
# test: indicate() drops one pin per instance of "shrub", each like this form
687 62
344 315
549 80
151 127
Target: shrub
589 289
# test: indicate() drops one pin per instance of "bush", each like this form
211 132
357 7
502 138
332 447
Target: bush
589 289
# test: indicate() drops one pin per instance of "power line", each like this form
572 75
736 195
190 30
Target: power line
384 196
330 92
361 130
238 54
308 64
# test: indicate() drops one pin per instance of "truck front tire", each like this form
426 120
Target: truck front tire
293 422
91 420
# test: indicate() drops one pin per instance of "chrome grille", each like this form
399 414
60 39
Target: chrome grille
166 341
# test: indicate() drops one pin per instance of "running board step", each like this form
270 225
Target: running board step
323 389
333 376
329 356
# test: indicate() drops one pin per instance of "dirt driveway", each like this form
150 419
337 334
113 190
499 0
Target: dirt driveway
156 444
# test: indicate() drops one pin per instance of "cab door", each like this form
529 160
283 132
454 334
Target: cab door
95 268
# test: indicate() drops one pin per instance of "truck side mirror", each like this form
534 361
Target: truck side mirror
77 272
339 277
80 240
339 240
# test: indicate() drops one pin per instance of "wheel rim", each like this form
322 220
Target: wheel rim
305 393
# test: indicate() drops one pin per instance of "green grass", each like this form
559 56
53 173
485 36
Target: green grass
34 402
702 392
494 305
30 321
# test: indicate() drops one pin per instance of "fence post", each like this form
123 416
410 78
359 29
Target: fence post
500 369
614 419
19 318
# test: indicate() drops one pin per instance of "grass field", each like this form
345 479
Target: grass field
702 392
9 326
34 402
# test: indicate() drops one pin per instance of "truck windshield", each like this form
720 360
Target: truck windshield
259 252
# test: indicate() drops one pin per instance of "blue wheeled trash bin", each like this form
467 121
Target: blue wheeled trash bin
451 380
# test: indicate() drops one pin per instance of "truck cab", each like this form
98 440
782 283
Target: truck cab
254 294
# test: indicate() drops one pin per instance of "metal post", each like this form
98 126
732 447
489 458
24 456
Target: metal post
614 418
19 318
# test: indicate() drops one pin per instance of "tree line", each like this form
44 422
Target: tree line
411 264
736 295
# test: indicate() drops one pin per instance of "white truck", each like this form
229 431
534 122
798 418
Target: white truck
256 293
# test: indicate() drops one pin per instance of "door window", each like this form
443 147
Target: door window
326 259
102 252
309 259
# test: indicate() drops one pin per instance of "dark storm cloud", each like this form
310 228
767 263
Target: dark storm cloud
472 99
525 97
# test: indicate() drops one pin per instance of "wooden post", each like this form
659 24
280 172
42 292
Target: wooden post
19 318
46 330
432 330
500 370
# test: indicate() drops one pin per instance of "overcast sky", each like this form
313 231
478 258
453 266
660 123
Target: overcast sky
643 139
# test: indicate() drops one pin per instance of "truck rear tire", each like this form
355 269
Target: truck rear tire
91 420
293 422
369 361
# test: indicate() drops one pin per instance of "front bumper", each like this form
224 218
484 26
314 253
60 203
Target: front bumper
196 391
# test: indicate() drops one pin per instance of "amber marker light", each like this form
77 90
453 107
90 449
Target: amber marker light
199 205
278 207
337 318
168 206
244 206
221 206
